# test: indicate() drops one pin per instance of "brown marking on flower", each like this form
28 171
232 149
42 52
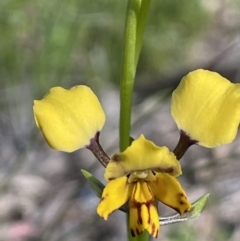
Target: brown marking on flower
111 178
132 232
182 196
137 231
103 197
148 208
116 158
153 229
169 170
139 215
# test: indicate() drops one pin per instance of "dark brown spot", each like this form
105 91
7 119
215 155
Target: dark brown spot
169 170
116 158
111 178
181 195
153 229
132 232
181 203
139 215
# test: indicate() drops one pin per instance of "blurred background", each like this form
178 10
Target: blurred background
43 195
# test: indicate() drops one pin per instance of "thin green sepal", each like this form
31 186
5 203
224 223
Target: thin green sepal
95 184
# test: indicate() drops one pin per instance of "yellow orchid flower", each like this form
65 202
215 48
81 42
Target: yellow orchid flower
69 119
206 106
139 176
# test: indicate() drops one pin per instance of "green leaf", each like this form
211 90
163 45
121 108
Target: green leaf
95 184
197 208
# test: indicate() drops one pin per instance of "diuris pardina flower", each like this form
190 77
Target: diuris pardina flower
206 106
139 176
69 119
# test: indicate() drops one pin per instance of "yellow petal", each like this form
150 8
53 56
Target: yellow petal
115 194
168 190
142 155
207 107
141 193
143 213
68 119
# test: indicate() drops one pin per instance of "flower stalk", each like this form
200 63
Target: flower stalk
128 72
97 150
183 144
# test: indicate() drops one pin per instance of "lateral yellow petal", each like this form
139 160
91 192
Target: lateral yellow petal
115 194
143 211
207 107
168 190
69 119
142 155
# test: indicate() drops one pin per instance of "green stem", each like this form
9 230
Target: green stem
128 72
141 26
136 18
144 236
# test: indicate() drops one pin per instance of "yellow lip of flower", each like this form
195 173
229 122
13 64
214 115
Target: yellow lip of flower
206 106
135 177
142 155
69 119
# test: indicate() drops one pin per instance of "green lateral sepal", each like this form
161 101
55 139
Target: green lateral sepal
95 184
